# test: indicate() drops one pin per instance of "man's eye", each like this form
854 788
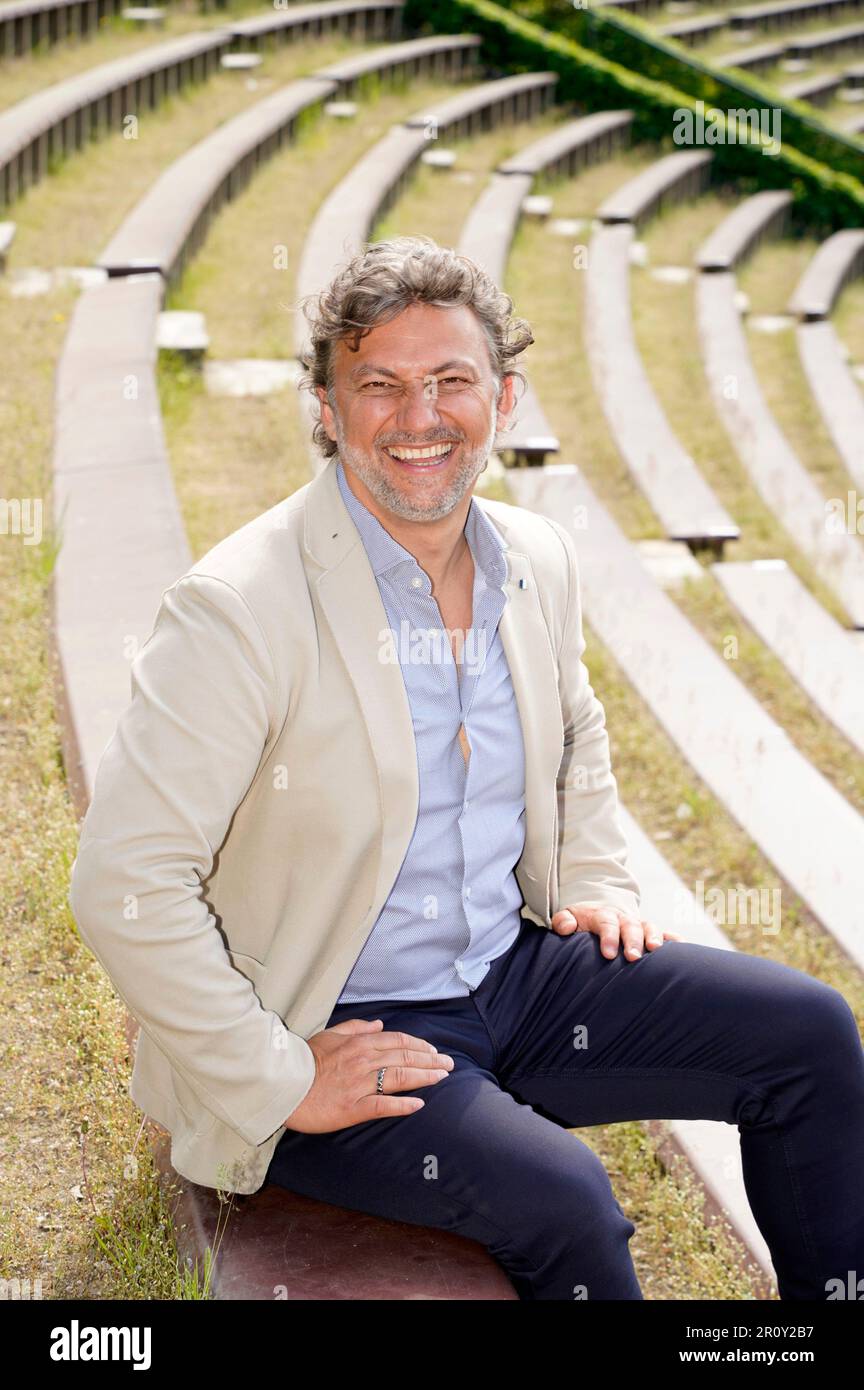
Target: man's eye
461 379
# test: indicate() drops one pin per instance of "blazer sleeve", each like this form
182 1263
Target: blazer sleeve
180 761
592 848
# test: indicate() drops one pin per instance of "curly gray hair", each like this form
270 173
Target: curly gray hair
380 282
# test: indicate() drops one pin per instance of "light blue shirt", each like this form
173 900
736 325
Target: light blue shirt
455 905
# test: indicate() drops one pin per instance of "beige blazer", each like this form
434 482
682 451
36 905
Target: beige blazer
255 803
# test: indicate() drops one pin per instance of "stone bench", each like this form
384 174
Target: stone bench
806 829
280 1246
839 259
65 116
816 651
488 233
759 58
171 220
123 535
345 218
665 473
489 104
444 56
826 42
663 470
765 214
672 179
783 482
574 145
817 90
363 20
631 6
27 24
486 237
694 31
782 14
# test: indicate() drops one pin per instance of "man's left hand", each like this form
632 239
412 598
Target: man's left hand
612 925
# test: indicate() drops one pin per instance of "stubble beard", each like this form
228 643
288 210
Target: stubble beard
412 508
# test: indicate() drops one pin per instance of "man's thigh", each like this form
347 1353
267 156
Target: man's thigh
476 1161
684 1032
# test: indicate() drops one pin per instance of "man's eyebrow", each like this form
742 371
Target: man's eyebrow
369 367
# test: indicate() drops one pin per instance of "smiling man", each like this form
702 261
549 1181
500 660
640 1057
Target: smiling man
375 915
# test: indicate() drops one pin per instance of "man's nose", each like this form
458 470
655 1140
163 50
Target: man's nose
418 408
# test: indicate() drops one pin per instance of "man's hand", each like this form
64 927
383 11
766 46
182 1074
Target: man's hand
348 1057
611 924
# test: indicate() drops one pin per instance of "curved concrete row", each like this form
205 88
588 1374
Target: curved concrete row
802 825
781 479
489 230
66 115
171 219
660 466
839 259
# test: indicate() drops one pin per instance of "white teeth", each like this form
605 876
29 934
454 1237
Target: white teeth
432 452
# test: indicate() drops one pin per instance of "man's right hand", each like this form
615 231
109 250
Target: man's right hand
348 1058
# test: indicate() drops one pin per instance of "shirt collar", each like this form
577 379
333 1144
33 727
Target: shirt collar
385 553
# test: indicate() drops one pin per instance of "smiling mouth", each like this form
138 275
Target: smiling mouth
422 459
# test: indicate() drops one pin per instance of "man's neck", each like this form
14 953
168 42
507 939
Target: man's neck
440 547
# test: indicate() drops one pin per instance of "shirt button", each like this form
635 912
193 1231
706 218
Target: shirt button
467 892
459 964
416 582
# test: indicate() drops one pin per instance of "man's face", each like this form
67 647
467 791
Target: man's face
424 380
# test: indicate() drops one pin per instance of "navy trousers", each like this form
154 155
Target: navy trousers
557 1036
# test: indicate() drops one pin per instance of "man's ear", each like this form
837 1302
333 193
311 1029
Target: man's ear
326 412
506 401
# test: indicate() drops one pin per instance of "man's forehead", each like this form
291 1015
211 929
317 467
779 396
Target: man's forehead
409 344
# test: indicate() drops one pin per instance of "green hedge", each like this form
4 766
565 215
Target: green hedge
823 199
632 42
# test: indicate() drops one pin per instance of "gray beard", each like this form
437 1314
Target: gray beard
388 496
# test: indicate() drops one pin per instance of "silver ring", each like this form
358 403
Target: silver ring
380 1089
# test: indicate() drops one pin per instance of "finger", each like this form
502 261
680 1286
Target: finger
564 923
398 1078
357 1025
405 1057
605 922
383 1107
653 935
633 937
404 1041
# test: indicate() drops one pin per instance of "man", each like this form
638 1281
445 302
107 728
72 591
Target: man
367 891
